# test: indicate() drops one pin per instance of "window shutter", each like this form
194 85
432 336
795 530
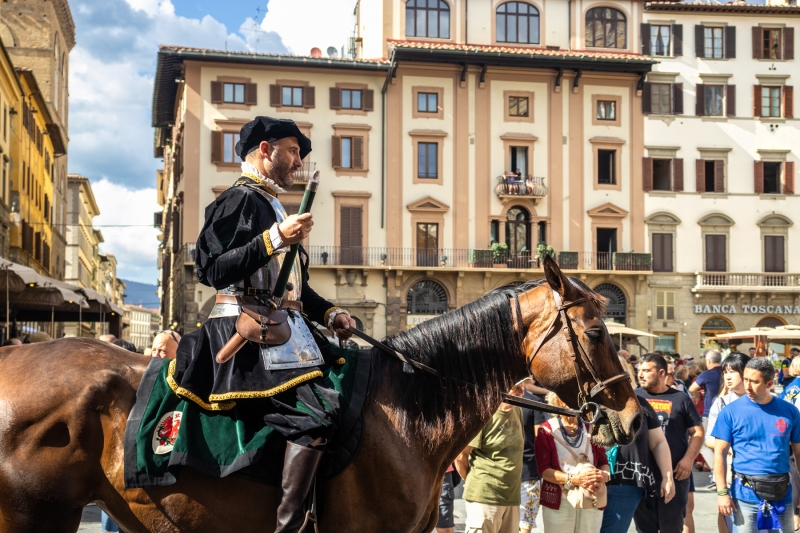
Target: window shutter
358 152
216 147
336 98
715 253
788 177
758 50
773 254
788 101
700 175
699 40
308 97
369 100
730 101
677 175
647 173
700 100
216 92
275 95
356 238
758 177
677 99
719 176
250 94
677 40
346 223
730 42
336 148
756 100
647 98
788 43
645 31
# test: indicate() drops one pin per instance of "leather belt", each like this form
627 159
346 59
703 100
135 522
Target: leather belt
231 299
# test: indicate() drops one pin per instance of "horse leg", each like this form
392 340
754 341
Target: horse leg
40 517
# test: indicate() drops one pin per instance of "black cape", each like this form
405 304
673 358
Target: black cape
231 248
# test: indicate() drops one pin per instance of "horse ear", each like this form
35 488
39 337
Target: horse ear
555 278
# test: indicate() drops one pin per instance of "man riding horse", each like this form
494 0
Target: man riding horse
240 252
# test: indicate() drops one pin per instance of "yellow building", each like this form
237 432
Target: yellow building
10 98
36 141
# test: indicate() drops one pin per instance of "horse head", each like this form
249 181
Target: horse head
550 345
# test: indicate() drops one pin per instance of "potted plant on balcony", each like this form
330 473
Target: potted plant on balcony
543 250
499 254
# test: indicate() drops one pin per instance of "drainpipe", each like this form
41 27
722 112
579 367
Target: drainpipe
569 24
389 76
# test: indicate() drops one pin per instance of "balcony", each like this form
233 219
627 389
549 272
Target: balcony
304 173
462 259
510 188
189 253
751 282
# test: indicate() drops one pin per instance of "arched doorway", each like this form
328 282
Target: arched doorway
425 299
617 305
713 327
782 350
518 236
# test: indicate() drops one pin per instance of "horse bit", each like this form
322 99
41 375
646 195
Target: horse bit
586 408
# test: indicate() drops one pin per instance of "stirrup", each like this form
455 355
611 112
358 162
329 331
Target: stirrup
311 514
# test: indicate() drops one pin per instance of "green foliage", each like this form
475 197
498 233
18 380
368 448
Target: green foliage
499 252
543 250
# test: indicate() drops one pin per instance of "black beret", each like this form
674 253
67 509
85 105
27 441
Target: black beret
270 129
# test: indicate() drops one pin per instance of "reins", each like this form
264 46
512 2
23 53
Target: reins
589 412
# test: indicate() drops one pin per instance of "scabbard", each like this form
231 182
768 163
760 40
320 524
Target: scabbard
233 345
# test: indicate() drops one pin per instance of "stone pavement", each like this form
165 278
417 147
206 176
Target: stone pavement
705 510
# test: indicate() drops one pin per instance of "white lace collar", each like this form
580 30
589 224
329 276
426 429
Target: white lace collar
248 168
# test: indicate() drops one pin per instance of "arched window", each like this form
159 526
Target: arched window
770 322
617 305
605 28
518 230
517 22
426 297
428 18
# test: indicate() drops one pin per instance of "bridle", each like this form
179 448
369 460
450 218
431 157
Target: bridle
588 412
575 348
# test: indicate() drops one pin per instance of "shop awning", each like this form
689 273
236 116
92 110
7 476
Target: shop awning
787 334
16 277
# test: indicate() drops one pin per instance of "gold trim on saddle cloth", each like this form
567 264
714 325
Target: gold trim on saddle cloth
189 395
266 393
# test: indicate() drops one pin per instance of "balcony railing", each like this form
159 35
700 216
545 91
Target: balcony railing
751 282
189 253
467 258
304 173
510 187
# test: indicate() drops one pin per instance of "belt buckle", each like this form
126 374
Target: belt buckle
251 291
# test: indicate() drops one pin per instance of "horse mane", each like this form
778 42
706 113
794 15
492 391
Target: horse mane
478 357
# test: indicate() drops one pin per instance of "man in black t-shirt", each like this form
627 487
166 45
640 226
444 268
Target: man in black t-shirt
531 481
683 429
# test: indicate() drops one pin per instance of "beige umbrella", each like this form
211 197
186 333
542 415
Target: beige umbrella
615 328
746 334
785 333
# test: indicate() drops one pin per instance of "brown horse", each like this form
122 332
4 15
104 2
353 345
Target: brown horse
64 404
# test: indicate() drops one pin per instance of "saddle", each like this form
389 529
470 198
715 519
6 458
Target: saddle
258 322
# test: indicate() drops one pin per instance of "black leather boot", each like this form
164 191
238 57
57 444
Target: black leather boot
300 465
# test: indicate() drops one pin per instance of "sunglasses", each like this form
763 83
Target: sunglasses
171 333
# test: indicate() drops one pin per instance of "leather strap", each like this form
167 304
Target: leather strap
232 299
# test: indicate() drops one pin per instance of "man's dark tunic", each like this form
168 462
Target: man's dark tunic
230 249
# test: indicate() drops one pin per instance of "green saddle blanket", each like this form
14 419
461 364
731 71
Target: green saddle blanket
166 432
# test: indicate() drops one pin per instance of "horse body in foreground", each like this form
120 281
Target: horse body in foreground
64 405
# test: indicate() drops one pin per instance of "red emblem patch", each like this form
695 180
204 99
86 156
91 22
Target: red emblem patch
781 425
166 432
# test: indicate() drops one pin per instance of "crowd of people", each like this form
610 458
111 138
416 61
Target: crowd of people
737 416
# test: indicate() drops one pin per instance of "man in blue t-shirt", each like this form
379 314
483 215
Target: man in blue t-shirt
759 428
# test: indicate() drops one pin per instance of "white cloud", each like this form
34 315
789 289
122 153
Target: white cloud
331 24
126 221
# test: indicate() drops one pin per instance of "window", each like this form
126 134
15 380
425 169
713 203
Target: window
518 106
426 297
774 260
606 110
427 244
713 43
710 175
347 152
292 96
665 305
772 178
517 22
518 234
427 160
662 174
661 98
666 342
233 93
716 253
605 28
770 101
713 100
428 102
606 169
662 252
519 161
428 18
659 40
771 48
351 234
351 99
229 148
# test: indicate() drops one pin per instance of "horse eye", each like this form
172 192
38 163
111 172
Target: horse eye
593 334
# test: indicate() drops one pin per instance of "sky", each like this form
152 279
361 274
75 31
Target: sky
112 68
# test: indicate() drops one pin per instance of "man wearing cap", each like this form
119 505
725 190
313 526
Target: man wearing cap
240 251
